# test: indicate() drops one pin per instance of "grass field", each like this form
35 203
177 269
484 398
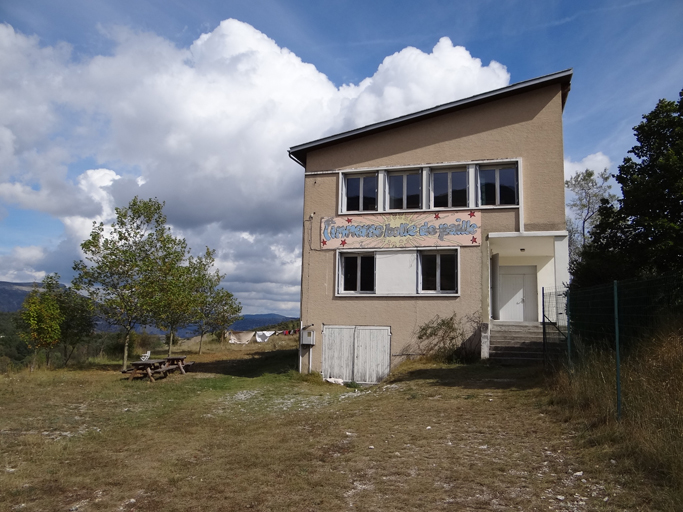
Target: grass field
243 431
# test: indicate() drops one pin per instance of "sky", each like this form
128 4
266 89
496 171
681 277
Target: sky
196 103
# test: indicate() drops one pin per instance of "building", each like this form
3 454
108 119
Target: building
454 209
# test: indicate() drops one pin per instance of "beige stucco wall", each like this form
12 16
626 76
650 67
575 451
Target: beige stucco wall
527 126
319 305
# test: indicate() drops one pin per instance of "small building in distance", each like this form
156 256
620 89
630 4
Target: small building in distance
455 209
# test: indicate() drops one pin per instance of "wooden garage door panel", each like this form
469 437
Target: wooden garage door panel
372 358
361 354
338 352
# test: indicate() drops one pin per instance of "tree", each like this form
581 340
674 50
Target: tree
41 320
78 322
588 190
122 265
171 287
205 285
76 312
642 234
225 311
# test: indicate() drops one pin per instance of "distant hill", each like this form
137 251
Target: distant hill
255 321
12 295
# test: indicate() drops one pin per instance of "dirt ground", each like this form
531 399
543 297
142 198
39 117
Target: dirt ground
243 432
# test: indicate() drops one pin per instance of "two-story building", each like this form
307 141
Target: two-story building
454 209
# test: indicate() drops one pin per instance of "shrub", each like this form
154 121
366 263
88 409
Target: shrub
444 340
5 364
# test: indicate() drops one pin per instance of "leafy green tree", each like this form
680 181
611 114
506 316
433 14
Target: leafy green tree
78 322
41 320
643 233
225 311
171 287
120 265
205 285
588 190
12 348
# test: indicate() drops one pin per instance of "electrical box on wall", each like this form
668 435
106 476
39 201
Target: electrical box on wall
307 337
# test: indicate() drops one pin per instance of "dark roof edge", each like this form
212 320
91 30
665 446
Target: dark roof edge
298 153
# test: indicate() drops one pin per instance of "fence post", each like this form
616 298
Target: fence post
569 331
616 337
545 356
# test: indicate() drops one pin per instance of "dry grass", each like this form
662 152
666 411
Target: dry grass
244 432
649 439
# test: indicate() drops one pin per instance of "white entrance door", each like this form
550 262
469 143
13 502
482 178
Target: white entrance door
356 353
517 294
512 297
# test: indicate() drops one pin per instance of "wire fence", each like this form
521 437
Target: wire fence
614 316
635 308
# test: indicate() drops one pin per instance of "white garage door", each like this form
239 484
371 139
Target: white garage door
356 353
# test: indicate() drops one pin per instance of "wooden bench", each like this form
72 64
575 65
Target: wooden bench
166 369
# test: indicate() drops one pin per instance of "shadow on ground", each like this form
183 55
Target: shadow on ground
257 364
477 376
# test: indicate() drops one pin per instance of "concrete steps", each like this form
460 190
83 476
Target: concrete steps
522 342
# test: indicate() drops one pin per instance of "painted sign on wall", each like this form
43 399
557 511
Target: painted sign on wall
436 229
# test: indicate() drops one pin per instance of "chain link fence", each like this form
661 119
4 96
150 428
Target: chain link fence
614 316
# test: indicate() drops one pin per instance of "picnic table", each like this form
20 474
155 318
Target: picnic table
179 361
153 367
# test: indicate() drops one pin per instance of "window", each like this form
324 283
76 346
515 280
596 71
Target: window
361 193
439 272
404 190
498 186
357 273
449 188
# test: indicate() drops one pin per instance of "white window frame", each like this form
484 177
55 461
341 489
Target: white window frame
405 172
450 171
438 252
340 272
497 168
427 198
378 206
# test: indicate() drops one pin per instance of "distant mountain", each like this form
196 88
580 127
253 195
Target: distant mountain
253 321
12 295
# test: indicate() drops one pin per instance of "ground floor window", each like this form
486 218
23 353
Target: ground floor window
358 272
399 272
439 271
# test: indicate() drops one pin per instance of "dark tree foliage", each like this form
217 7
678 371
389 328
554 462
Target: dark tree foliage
12 348
642 235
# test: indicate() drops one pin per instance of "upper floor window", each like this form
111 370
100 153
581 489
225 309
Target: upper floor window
498 186
404 190
423 188
449 188
361 193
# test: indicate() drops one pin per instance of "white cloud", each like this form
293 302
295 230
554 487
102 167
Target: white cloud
597 162
19 265
204 128
411 80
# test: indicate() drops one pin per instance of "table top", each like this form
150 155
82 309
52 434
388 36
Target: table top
149 362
